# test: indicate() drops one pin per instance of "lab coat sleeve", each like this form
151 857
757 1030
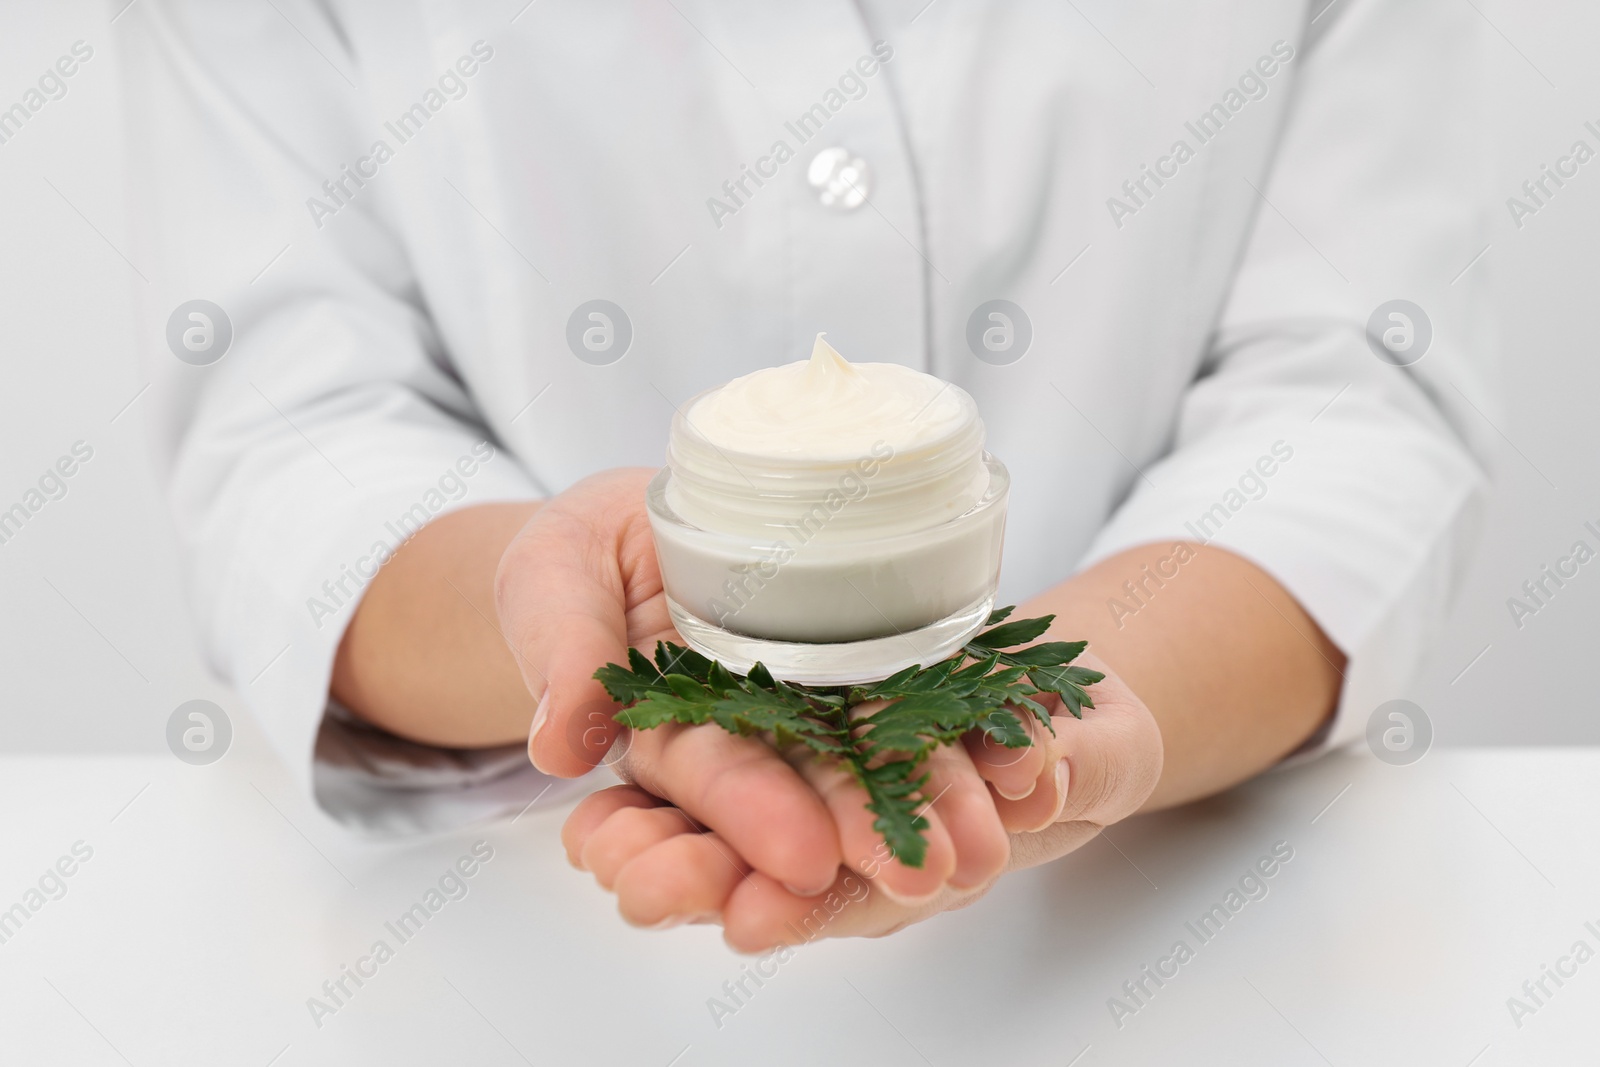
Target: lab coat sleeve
1375 192
333 426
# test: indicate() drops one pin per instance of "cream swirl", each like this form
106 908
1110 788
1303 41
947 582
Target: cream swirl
828 409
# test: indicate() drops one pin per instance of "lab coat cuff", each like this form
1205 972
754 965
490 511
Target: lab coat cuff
1378 589
288 601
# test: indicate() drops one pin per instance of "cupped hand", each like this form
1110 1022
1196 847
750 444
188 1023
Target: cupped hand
763 808
991 810
579 585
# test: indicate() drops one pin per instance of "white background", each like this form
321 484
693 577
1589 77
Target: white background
96 647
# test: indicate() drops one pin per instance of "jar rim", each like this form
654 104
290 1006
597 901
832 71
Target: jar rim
995 493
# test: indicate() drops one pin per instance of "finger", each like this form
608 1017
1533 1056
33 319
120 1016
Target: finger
573 725
967 810
562 599
595 809
1012 771
684 878
760 914
1051 843
744 791
1042 805
1114 753
627 834
863 848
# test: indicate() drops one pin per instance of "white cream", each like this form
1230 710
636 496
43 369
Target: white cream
902 449
825 408
836 521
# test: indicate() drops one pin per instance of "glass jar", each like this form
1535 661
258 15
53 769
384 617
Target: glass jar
835 571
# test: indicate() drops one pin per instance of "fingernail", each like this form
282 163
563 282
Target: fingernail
1025 794
807 892
1063 776
540 715
903 899
669 922
709 918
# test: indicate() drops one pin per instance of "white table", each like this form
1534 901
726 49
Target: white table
217 902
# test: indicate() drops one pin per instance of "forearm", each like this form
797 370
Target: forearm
423 657
1233 669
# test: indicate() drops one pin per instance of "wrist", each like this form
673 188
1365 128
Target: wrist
1234 671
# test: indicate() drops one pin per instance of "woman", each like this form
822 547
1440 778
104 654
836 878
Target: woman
470 262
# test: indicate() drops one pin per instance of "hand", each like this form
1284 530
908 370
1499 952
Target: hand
575 588
666 869
578 585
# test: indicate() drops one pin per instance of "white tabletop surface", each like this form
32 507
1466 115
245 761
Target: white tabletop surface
217 901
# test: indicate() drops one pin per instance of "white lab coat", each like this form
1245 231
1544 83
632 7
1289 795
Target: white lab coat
1186 330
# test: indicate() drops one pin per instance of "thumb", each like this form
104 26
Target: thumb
1114 754
561 597
1113 757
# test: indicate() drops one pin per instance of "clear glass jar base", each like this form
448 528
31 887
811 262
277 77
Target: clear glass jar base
835 663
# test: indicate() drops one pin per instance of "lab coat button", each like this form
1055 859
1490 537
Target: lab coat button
843 181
